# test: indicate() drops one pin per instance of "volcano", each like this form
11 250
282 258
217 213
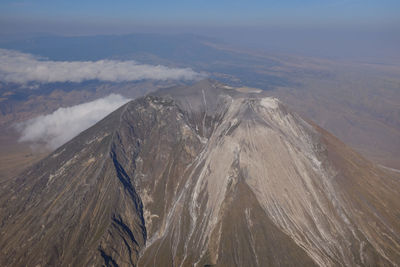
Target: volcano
202 175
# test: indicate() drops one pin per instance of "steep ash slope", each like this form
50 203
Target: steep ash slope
202 175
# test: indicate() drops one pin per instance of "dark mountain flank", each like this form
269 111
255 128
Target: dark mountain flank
199 176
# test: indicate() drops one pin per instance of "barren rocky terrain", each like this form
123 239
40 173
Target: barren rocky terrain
202 175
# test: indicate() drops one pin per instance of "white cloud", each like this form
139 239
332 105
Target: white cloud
21 68
57 128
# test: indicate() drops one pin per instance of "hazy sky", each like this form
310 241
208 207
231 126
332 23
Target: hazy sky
313 27
206 12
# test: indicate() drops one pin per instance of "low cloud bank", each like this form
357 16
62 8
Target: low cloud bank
62 125
20 67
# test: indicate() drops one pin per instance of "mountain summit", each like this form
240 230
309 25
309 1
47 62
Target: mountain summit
197 176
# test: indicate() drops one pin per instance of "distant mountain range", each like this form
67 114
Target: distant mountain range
202 175
356 101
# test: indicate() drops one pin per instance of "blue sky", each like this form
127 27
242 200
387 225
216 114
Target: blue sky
206 12
361 28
